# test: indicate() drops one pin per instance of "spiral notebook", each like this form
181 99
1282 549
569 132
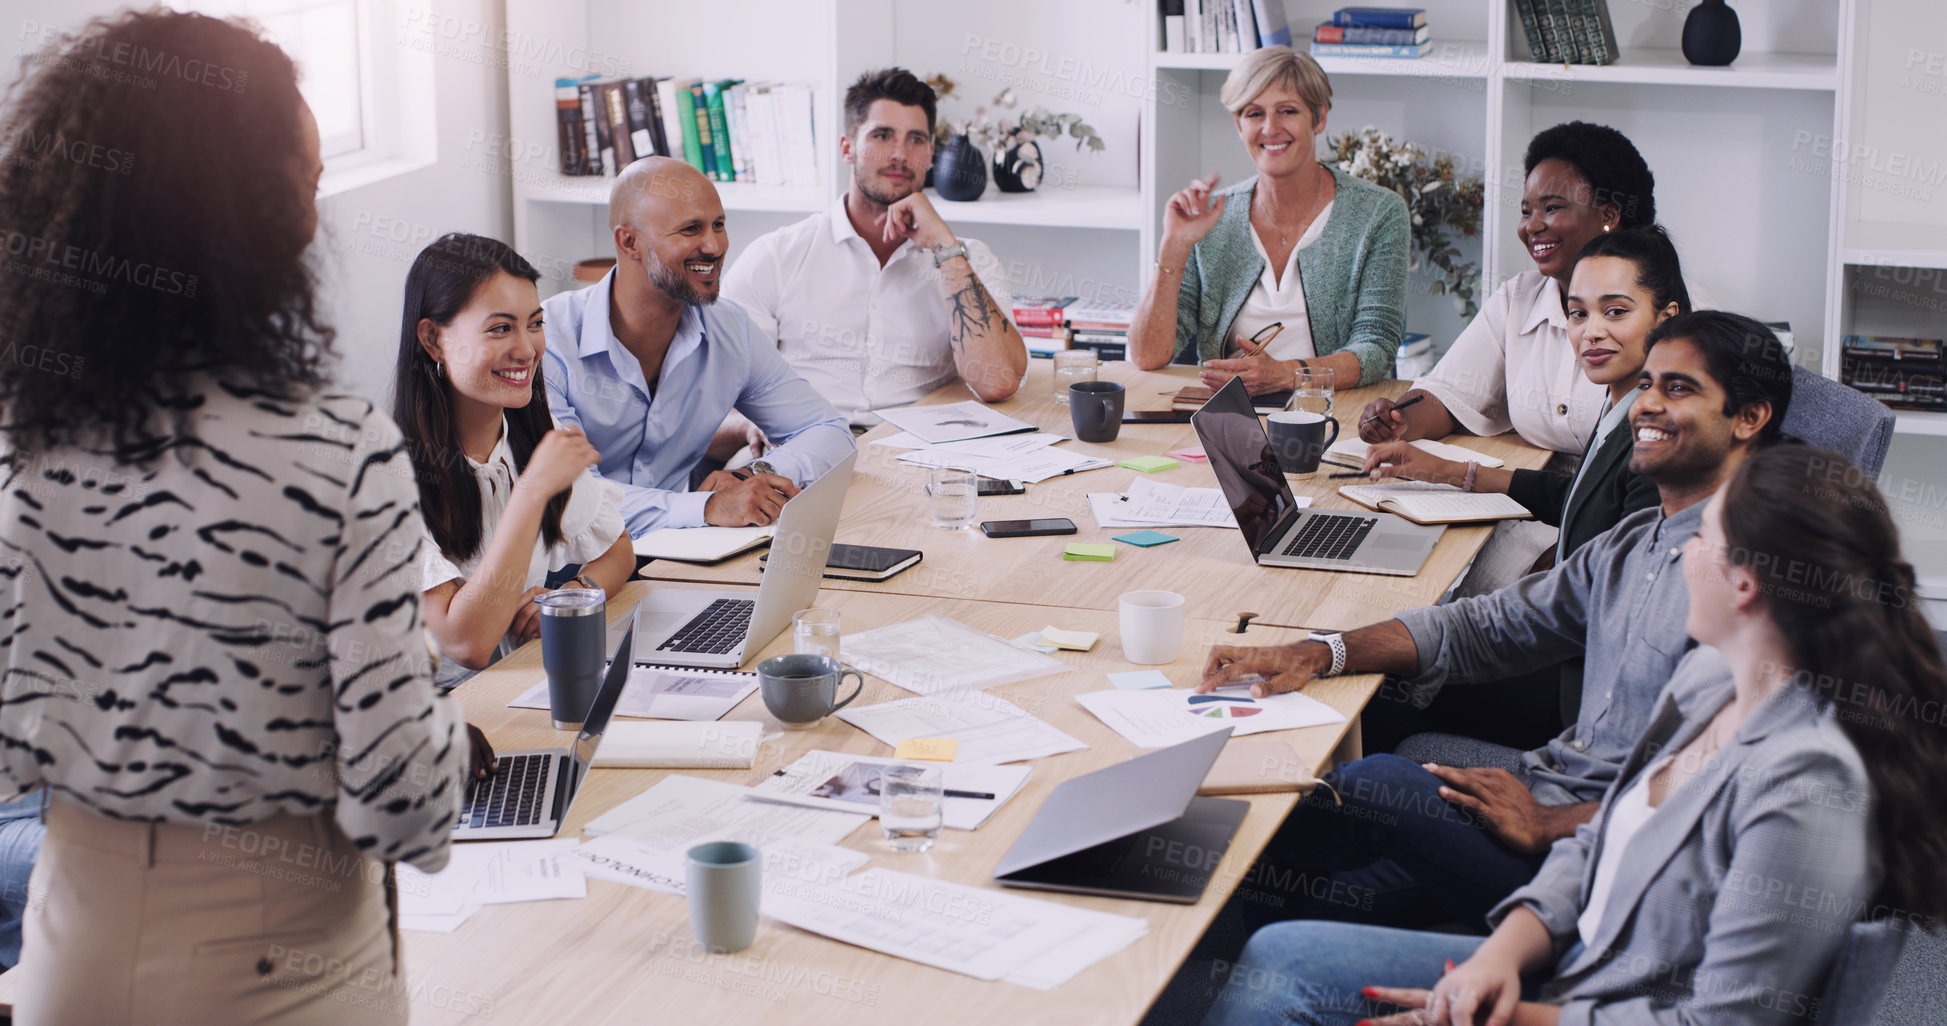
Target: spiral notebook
666 693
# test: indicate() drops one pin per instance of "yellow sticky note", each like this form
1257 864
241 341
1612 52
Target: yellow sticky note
1076 641
1094 551
935 749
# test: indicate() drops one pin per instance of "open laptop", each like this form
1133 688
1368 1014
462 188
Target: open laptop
529 796
1278 532
694 627
1137 829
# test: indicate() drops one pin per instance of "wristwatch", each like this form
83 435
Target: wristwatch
761 467
1335 642
942 254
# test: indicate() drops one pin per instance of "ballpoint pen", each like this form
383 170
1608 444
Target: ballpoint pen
1401 406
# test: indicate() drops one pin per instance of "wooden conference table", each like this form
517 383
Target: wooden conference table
887 506
626 955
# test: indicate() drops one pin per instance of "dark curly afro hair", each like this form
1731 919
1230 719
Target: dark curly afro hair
1607 160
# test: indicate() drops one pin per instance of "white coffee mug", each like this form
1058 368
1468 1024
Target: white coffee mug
1152 626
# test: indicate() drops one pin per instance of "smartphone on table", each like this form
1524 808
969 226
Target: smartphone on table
1027 528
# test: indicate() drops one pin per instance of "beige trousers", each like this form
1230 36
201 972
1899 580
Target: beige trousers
282 921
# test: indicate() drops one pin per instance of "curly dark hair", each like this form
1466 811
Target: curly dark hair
1859 642
1606 160
182 254
895 84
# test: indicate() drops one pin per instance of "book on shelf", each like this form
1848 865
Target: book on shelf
1329 33
1246 24
1103 350
1902 372
1041 310
1568 31
1091 314
666 107
700 113
720 129
736 117
567 122
645 132
1370 50
1273 29
615 102
1425 503
591 133
1379 17
1175 33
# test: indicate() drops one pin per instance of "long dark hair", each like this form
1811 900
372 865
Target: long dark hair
153 224
1846 604
443 280
1658 270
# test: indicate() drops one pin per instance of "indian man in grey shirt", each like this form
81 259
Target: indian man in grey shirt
1399 841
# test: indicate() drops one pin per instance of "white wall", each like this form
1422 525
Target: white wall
368 236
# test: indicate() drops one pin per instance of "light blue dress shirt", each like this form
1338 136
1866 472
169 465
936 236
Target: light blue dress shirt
649 444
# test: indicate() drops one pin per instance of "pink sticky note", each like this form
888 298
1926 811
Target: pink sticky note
1194 454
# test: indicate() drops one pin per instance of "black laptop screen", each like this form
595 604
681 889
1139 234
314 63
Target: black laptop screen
1247 470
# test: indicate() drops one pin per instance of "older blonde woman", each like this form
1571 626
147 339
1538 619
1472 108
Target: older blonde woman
1300 244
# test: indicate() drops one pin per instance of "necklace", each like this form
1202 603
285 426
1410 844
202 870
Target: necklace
1311 204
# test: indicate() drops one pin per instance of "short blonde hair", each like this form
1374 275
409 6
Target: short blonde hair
1277 66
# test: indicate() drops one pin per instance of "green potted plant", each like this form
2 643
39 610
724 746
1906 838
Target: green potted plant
1443 204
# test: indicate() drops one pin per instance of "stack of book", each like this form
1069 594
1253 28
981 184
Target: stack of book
1568 31
1039 320
1910 373
1101 326
731 130
1373 32
1223 26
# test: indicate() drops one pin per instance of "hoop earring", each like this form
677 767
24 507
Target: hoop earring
439 370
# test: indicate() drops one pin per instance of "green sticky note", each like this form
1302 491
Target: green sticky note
1089 550
1149 464
1144 539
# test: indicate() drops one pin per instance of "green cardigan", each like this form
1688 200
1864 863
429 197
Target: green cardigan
1354 275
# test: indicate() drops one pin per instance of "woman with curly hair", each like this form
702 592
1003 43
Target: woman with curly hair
214 662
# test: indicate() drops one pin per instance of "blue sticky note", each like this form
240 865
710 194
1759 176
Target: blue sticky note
1146 538
1140 680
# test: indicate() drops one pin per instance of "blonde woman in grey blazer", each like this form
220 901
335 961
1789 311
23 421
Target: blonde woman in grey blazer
1782 792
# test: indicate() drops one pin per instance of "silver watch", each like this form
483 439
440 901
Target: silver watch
942 254
761 467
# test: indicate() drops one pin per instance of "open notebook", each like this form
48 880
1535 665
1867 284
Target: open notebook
1425 503
1351 452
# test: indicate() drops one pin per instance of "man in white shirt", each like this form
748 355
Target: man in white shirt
874 301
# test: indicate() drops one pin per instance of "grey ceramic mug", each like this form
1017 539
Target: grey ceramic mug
725 880
802 689
1095 408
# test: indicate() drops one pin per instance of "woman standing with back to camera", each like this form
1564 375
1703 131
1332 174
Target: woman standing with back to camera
214 660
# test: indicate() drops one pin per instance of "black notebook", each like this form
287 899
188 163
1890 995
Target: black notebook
865 562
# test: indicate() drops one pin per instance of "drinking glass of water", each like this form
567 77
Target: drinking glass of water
1072 365
911 800
1313 392
815 631
954 495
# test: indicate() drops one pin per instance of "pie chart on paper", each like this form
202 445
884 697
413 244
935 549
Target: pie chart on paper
1223 707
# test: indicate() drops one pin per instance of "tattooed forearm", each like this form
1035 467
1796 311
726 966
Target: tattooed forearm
973 310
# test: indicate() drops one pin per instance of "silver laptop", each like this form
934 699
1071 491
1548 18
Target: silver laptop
1278 532
1135 830
694 627
532 791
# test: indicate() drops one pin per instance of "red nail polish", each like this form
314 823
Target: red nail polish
1450 965
1370 992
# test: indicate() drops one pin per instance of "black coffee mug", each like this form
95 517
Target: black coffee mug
1096 409
1299 438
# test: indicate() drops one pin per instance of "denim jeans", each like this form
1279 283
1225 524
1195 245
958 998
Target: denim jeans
20 844
1394 853
1312 973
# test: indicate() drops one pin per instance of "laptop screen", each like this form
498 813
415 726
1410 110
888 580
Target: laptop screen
1246 468
596 721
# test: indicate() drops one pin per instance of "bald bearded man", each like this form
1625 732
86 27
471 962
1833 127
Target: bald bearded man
647 363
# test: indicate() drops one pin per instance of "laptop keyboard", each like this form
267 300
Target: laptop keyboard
1330 536
718 629
512 796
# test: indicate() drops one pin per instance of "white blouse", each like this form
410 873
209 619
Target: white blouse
1282 298
1632 811
590 524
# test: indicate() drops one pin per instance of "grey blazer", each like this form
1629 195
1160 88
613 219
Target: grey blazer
1736 895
